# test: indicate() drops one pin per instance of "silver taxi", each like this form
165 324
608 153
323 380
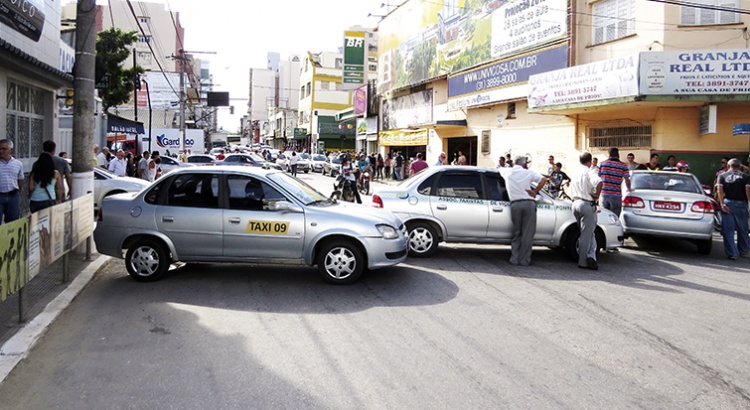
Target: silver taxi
470 204
246 215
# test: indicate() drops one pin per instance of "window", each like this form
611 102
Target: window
144 20
512 110
251 194
325 85
613 19
24 122
464 185
485 141
338 63
425 188
144 39
308 89
697 16
194 191
496 187
622 137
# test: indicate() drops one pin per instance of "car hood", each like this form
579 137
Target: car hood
363 212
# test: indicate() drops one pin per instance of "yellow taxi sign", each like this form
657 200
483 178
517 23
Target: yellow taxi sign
267 227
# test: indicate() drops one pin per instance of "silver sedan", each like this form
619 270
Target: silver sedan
250 215
669 204
470 205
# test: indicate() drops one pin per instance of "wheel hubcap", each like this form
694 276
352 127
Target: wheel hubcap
420 240
145 261
340 263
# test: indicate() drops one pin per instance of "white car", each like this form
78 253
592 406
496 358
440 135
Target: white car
316 162
107 183
169 164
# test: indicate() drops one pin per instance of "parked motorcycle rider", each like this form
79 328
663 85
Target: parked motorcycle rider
348 170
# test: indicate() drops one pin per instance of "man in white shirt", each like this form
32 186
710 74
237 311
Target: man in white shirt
585 187
101 158
522 208
293 160
119 165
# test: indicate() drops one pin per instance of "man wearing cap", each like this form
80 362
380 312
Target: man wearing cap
585 187
522 208
733 191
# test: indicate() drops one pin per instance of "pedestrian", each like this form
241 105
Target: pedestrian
293 163
129 165
733 191
461 159
347 170
556 180
63 155
11 177
398 168
683 166
550 165
95 158
522 208
585 187
61 165
613 172
652 165
45 184
417 165
442 159
119 165
379 167
501 162
154 170
595 164
631 162
671 164
387 166
102 159
143 165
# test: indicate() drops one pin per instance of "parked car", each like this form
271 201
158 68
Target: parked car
251 160
671 205
250 215
272 165
332 166
470 204
169 164
316 162
201 159
107 184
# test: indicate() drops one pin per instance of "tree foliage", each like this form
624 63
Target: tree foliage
113 48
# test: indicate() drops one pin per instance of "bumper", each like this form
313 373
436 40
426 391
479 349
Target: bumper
668 227
106 244
382 253
614 236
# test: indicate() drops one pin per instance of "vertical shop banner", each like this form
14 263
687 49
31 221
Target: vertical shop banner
360 100
14 255
354 60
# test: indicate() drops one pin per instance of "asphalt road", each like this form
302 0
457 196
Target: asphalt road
658 326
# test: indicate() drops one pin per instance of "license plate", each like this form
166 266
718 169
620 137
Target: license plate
667 206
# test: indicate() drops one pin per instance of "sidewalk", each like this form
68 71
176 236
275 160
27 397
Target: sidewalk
46 297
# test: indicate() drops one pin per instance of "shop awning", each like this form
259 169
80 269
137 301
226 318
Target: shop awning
123 125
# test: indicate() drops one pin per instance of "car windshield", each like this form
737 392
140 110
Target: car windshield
335 161
319 158
304 156
665 182
256 157
297 188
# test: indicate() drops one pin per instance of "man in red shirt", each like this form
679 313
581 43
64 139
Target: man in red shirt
417 165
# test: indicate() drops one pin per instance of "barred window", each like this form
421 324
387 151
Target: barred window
24 123
621 137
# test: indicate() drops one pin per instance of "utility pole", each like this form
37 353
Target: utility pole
181 58
83 100
136 85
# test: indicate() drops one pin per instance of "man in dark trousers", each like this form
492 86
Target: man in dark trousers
733 191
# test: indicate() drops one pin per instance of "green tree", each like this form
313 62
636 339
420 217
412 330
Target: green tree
112 50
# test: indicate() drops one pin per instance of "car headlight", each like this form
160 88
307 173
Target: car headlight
387 231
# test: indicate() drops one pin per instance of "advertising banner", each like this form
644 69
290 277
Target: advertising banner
360 100
161 88
26 17
14 253
354 60
403 138
400 112
612 78
171 138
83 220
500 80
695 72
425 39
40 242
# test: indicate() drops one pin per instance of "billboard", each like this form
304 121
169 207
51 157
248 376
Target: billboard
355 71
695 72
425 39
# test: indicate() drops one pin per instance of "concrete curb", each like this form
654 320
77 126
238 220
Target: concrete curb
17 347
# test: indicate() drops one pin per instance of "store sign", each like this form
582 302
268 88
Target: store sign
401 112
601 80
695 72
741 129
359 98
403 138
501 80
354 60
24 16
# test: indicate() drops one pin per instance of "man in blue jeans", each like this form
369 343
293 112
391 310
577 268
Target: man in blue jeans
733 190
11 176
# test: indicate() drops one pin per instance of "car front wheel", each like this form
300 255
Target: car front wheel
341 262
423 240
147 260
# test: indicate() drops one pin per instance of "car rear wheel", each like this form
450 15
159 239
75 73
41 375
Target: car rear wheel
147 260
704 246
423 240
341 262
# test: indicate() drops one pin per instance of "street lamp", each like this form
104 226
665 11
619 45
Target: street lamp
148 96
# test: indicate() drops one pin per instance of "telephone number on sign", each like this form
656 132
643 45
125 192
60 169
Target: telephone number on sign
574 91
731 83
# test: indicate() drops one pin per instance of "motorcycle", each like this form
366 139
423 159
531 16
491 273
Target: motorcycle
342 189
363 185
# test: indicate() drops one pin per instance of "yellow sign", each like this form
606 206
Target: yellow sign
267 227
402 138
14 254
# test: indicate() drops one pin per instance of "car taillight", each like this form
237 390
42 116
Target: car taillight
376 201
704 207
633 202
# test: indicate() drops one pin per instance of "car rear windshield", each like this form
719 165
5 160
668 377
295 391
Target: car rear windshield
666 182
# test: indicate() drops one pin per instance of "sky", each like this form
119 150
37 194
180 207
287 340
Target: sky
242 32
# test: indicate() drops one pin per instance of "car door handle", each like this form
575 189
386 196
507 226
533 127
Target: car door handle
498 209
234 220
167 219
442 207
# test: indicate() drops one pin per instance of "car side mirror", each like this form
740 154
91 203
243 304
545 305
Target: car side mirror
286 206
